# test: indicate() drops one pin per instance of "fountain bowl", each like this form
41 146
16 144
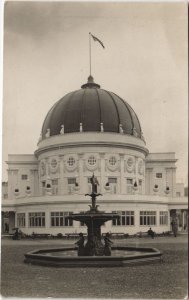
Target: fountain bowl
67 257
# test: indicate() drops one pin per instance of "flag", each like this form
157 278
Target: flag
97 40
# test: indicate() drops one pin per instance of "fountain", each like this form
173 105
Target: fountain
93 219
94 252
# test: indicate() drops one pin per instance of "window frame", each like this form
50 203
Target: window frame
127 218
21 220
59 219
148 218
24 177
37 218
163 218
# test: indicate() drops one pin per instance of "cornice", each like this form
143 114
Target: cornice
92 144
87 202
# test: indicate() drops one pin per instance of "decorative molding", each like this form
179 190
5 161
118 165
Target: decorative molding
71 162
91 162
92 144
54 164
130 164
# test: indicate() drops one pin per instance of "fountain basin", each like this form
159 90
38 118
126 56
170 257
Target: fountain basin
67 257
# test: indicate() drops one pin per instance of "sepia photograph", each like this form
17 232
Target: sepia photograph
94 170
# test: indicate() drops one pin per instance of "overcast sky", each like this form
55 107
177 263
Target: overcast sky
46 55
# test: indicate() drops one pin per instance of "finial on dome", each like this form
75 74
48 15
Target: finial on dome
101 127
90 83
47 134
90 79
121 129
135 132
62 129
81 127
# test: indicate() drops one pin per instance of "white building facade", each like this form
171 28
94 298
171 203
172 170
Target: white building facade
93 131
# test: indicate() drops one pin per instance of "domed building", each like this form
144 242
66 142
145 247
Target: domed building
93 131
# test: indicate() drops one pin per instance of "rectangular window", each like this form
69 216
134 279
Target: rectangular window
21 220
112 180
126 218
113 184
71 181
24 177
37 219
147 218
163 218
140 186
71 184
129 186
158 175
60 219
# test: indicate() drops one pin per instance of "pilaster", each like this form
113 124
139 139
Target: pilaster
61 181
122 178
102 172
80 171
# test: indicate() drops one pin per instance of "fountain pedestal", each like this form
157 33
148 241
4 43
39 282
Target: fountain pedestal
94 219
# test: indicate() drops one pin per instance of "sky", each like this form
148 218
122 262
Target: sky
46 55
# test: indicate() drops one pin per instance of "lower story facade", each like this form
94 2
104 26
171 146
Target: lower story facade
49 214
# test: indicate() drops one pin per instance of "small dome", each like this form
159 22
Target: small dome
91 108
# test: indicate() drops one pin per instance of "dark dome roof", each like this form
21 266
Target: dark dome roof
91 106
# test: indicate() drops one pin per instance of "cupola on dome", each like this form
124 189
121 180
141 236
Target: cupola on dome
91 109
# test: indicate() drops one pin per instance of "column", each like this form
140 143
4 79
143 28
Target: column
47 220
26 220
137 218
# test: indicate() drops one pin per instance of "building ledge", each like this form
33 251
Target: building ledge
105 199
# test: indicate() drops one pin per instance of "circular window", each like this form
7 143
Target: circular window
71 161
92 161
112 163
112 160
54 163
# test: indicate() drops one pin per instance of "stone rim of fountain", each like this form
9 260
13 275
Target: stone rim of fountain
40 257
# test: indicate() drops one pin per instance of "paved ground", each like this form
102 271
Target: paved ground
166 280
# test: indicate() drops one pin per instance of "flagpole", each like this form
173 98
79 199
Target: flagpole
90 52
